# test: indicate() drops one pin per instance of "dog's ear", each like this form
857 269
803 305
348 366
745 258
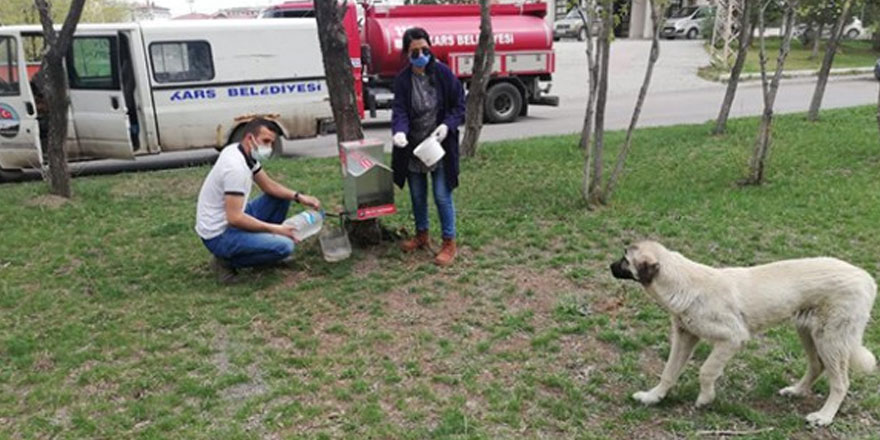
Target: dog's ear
647 271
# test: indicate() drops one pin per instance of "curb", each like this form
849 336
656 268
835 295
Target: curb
789 74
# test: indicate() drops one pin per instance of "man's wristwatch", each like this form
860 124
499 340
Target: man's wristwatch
296 196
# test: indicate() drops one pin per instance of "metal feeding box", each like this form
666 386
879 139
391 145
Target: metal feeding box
368 184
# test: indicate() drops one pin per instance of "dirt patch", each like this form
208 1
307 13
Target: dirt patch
49 201
44 362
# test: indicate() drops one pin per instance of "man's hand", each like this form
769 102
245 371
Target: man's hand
440 132
399 139
309 201
284 230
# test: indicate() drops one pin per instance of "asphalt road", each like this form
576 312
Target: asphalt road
677 95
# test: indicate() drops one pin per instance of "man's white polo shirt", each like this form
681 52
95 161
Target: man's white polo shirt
233 173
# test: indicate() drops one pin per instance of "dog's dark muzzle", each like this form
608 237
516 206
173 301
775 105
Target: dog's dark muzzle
620 272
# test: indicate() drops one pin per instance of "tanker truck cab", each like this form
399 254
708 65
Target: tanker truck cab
524 56
151 87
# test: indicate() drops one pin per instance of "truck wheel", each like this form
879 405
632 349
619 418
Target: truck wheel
693 33
503 103
582 35
852 34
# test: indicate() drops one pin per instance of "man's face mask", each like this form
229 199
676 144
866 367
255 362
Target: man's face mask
420 57
260 151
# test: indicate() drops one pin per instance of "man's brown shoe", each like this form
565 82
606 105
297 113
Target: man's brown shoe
447 253
420 241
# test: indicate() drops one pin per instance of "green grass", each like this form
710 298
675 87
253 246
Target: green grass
111 325
850 53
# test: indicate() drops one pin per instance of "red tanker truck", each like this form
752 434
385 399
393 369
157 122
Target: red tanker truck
524 57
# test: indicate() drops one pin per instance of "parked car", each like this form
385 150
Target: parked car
686 22
572 26
854 30
877 70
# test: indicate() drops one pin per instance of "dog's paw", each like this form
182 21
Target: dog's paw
819 419
647 397
794 391
704 399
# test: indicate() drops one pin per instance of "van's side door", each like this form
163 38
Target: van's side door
19 129
96 97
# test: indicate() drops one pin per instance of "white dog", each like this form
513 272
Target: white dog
829 299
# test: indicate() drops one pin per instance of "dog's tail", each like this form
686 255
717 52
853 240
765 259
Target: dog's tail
863 360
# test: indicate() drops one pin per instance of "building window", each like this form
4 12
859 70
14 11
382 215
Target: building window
182 61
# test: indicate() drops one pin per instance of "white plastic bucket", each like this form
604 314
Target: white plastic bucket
429 151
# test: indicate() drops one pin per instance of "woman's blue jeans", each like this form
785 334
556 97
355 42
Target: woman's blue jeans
418 190
244 248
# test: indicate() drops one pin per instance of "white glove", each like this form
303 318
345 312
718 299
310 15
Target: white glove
440 132
399 139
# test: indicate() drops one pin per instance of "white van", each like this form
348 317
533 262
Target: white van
144 88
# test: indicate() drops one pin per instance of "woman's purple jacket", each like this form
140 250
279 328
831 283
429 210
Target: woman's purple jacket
450 111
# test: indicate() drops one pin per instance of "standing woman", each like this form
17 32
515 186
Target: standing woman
428 101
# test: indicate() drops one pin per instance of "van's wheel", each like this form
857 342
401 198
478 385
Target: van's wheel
503 103
582 35
852 34
7 175
693 33
277 147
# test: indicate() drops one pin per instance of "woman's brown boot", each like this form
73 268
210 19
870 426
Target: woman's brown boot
420 241
447 253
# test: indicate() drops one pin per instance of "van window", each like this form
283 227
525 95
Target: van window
182 61
8 67
91 63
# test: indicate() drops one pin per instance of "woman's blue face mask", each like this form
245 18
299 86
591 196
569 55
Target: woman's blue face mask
420 57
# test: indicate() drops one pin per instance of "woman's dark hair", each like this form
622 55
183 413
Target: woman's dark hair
415 33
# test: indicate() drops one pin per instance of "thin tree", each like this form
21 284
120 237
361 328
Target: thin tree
588 15
593 161
825 70
337 68
745 41
770 89
658 8
53 85
484 59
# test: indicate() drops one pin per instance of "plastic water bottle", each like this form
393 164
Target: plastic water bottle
305 224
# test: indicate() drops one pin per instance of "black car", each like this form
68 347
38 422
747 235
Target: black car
877 70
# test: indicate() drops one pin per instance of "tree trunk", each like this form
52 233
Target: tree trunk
745 41
762 143
876 36
656 16
484 59
592 73
878 112
817 38
604 42
825 70
54 88
337 68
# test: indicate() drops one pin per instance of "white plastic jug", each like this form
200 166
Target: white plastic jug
429 151
305 224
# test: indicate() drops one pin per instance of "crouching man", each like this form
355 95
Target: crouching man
241 233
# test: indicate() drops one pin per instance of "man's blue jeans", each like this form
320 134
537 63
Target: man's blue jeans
243 248
418 190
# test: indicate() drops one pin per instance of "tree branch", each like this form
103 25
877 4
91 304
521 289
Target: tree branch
45 12
70 23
